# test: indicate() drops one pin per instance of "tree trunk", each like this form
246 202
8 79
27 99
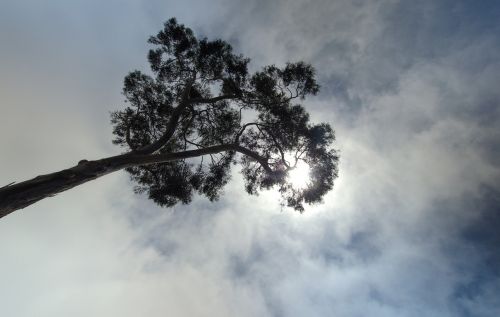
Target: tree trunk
21 195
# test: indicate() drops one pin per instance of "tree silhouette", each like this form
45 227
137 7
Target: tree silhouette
198 113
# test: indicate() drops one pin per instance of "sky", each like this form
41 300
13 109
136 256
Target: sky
410 229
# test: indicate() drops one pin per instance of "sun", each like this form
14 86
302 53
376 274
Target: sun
299 177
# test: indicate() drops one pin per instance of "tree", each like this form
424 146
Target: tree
198 113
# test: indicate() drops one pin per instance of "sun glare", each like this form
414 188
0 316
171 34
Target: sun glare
299 176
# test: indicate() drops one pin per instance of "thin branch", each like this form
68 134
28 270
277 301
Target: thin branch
238 135
211 100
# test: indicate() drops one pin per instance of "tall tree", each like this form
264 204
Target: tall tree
196 114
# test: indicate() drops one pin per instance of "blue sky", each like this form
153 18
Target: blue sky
411 228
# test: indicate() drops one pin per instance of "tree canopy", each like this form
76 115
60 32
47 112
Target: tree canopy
200 96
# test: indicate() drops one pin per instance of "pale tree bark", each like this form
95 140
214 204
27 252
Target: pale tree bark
21 195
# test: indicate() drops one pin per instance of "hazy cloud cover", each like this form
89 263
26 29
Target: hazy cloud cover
411 228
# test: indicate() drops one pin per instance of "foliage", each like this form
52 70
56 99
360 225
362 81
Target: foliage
201 94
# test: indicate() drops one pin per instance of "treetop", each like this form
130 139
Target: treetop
201 99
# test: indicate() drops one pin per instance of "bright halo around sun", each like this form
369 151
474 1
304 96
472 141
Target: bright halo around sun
299 177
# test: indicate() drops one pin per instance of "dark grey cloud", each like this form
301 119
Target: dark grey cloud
478 252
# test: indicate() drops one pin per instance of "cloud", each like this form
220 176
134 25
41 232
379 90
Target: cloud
409 230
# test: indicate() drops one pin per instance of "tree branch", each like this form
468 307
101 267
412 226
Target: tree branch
258 125
255 156
280 149
134 159
211 100
172 123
